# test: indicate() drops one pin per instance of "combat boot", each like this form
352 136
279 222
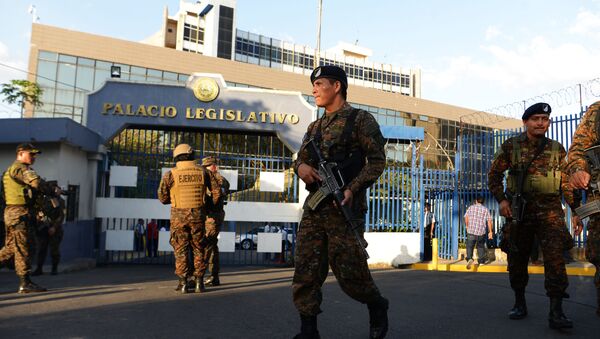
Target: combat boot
308 328
28 286
38 271
54 269
557 319
199 285
378 319
182 285
212 281
519 310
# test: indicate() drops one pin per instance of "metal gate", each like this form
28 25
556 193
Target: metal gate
150 150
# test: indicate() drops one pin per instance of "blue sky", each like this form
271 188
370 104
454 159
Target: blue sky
477 54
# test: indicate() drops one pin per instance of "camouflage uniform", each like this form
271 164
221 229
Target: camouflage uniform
19 221
49 217
215 215
588 135
323 237
187 228
543 216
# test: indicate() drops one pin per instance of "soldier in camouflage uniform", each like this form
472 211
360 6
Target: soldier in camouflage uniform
587 135
20 182
184 187
543 213
323 238
215 214
50 217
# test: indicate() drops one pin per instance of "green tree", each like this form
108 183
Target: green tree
21 92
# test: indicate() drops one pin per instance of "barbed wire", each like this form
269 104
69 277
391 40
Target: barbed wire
568 96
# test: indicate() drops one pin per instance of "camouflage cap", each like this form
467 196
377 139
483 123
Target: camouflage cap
539 108
27 147
182 149
208 161
331 72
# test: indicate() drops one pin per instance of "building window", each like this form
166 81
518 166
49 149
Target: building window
225 37
73 203
193 34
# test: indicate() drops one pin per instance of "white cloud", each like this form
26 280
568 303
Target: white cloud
492 32
587 23
505 75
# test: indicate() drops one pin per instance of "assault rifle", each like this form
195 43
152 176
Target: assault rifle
593 157
332 185
517 209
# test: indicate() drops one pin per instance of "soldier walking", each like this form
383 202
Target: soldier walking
21 182
586 136
50 217
215 214
532 206
352 138
184 187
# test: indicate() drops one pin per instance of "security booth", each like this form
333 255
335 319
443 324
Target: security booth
71 154
254 133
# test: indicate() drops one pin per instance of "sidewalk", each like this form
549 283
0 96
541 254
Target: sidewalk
499 265
576 268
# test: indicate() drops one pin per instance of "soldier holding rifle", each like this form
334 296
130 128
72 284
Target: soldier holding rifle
532 206
351 148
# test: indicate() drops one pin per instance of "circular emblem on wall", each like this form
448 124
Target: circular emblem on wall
206 89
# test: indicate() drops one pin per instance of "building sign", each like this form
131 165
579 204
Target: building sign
205 102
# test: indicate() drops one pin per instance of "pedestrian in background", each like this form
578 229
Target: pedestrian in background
152 238
429 231
139 231
477 218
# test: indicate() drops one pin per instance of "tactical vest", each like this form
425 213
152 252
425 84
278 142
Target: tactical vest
189 186
14 191
537 183
350 160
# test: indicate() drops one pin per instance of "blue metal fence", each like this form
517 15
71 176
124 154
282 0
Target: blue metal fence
396 200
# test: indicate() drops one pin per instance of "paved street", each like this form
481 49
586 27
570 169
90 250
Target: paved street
139 302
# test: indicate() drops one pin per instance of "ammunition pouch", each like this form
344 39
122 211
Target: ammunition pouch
540 184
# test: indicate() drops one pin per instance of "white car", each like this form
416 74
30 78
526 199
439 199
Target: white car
249 240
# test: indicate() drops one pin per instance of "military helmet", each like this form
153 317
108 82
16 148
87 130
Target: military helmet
208 161
182 149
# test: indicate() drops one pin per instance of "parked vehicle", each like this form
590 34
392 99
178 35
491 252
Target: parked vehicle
249 240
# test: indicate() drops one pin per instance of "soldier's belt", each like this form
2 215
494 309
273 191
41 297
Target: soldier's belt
588 209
